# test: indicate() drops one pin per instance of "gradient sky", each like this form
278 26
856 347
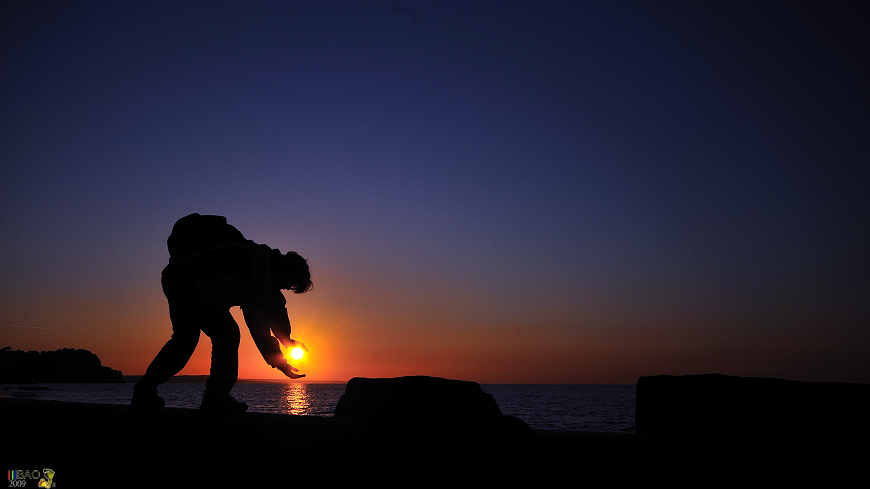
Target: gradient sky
554 192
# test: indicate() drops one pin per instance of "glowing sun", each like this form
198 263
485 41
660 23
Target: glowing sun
297 353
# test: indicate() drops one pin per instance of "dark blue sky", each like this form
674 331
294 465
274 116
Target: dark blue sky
497 191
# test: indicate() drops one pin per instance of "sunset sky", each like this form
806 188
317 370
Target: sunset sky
517 192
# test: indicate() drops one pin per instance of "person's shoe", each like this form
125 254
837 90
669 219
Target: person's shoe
146 400
221 403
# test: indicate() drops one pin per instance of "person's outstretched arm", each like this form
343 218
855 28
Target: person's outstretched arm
260 323
280 327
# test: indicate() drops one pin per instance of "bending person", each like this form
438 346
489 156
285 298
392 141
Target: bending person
212 268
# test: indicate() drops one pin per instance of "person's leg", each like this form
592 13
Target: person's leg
224 333
185 314
176 352
171 358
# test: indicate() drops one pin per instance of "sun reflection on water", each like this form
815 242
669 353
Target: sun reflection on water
297 399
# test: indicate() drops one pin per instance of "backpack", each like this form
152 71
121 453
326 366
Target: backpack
196 233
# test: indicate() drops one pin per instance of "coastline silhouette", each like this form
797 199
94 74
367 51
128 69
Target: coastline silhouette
212 267
64 365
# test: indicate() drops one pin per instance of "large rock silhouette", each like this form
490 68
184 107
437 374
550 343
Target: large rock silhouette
415 397
433 409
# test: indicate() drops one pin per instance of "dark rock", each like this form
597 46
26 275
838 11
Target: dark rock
714 404
432 410
415 397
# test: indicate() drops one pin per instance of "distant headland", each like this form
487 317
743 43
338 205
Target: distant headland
65 365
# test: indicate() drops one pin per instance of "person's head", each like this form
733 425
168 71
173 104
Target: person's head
295 275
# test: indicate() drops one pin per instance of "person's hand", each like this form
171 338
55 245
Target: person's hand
290 371
295 344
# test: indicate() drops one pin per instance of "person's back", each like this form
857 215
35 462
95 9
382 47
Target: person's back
196 233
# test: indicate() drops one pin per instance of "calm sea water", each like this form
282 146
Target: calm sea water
599 408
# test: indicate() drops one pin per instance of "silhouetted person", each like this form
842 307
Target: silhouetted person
212 267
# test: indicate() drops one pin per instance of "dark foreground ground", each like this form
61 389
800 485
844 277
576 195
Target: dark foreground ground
94 445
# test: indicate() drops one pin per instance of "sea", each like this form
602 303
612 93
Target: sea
584 408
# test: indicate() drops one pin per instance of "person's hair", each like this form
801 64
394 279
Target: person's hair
297 276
